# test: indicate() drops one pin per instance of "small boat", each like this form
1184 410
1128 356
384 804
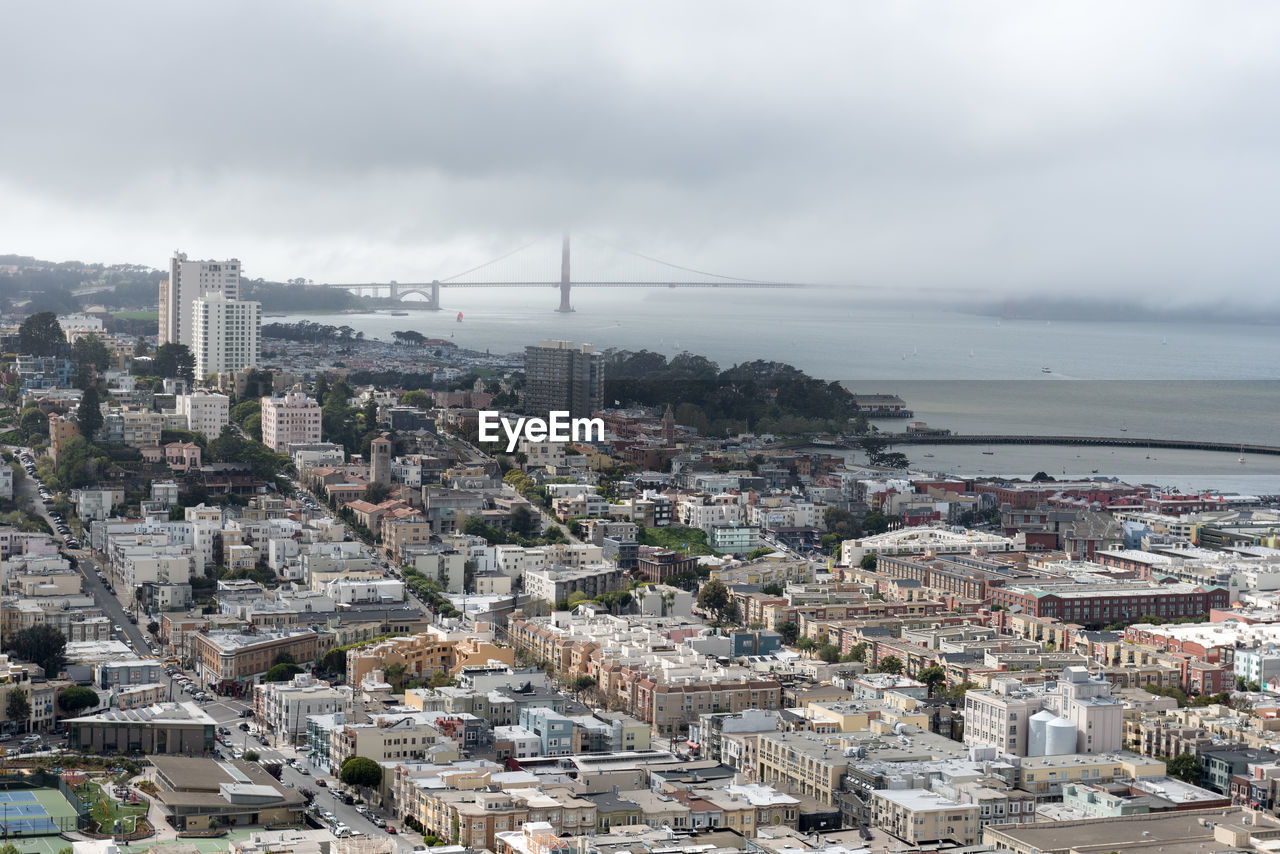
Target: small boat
1045 371
1240 459
1164 340
399 314
459 317
1093 471
1124 429
988 453
928 455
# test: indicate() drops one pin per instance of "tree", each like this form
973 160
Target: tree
524 522
370 412
33 424
713 596
829 652
394 673
890 664
583 683
76 699
376 493
41 335
282 672
1186 767
89 414
805 644
174 361
361 772
418 398
153 627
932 676
251 756
789 631
44 645
868 561
772 589
90 356
18 709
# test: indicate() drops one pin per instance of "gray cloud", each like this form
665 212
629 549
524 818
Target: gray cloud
1071 146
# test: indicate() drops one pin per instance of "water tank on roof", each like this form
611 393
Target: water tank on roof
1059 737
1036 732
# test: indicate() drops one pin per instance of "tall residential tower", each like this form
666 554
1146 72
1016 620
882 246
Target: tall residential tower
560 375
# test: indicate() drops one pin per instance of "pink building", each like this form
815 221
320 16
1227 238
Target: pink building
289 419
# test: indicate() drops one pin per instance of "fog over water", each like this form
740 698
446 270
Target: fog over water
965 372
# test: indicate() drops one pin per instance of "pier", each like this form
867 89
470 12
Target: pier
1099 441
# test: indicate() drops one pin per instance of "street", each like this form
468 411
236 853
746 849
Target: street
226 711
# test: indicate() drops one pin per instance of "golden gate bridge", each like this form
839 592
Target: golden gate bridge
427 294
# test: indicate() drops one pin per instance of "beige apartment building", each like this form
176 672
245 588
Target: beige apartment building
289 419
799 762
231 661
922 817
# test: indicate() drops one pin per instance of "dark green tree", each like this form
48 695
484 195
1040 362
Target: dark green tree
322 389
376 493
76 699
370 413
361 772
174 361
932 676
868 561
18 709
34 424
1186 767
41 335
89 413
772 589
91 357
829 652
417 397
789 631
41 644
524 522
890 664
282 672
713 596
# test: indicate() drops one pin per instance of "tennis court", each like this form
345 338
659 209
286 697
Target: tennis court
34 812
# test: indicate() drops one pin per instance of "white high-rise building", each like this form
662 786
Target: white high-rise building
206 412
189 281
226 334
293 418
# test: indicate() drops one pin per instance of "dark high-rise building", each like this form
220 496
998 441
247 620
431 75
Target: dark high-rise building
560 375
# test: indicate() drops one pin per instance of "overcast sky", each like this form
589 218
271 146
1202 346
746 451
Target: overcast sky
1059 146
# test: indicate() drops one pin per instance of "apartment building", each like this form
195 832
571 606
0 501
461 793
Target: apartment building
390 738
231 661
562 376
801 762
556 584
205 412
922 817
189 281
282 708
291 419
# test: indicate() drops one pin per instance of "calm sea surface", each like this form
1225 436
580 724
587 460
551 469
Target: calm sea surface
967 372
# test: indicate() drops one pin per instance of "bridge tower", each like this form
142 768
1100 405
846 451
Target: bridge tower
564 276
434 303
395 290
